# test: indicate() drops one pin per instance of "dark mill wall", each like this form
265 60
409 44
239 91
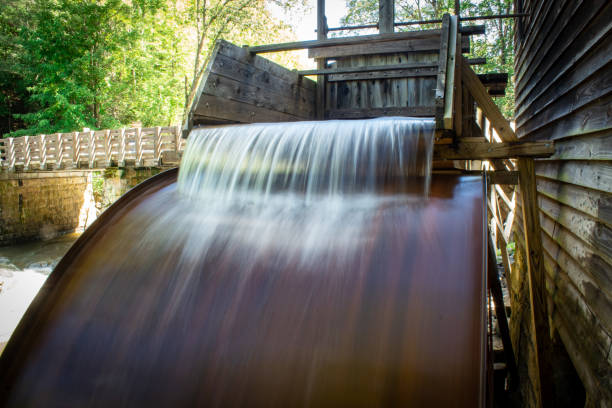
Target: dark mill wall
563 73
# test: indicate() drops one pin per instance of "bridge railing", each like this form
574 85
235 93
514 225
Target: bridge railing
140 147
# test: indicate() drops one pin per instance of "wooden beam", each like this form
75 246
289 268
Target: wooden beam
424 45
449 88
533 239
500 312
477 61
502 177
458 104
485 151
420 111
441 79
322 63
472 29
403 73
484 101
368 68
331 42
386 16
537 282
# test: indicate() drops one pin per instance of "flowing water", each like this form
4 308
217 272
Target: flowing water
23 270
302 264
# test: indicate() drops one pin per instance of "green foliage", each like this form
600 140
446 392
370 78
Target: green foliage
70 64
496 46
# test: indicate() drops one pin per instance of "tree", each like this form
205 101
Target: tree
110 63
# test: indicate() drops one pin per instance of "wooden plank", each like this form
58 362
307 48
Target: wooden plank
258 95
367 68
224 109
421 111
579 283
570 50
449 86
500 312
484 101
587 81
242 54
341 41
457 108
387 47
473 30
582 253
483 151
595 203
594 117
588 229
246 72
592 146
386 16
502 177
596 175
427 45
441 78
237 76
537 282
416 72
477 61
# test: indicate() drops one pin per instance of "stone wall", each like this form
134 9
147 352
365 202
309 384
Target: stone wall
44 204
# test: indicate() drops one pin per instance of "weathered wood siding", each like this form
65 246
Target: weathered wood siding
564 93
411 94
242 88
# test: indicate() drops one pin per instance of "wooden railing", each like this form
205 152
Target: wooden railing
140 147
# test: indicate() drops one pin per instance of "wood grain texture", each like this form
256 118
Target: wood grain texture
243 88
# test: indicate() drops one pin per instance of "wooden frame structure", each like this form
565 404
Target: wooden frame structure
417 73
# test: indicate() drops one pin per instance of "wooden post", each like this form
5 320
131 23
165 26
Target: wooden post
457 7
92 149
122 142
537 281
321 62
441 75
386 16
138 145
156 145
500 312
76 149
43 152
27 156
107 148
59 151
178 139
10 153
533 239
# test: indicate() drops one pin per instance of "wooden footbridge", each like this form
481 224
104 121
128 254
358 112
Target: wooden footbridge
93 149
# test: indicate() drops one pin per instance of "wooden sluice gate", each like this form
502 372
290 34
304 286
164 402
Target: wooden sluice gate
135 316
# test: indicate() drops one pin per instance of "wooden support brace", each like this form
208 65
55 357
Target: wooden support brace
537 281
533 239
485 151
500 312
441 78
451 69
